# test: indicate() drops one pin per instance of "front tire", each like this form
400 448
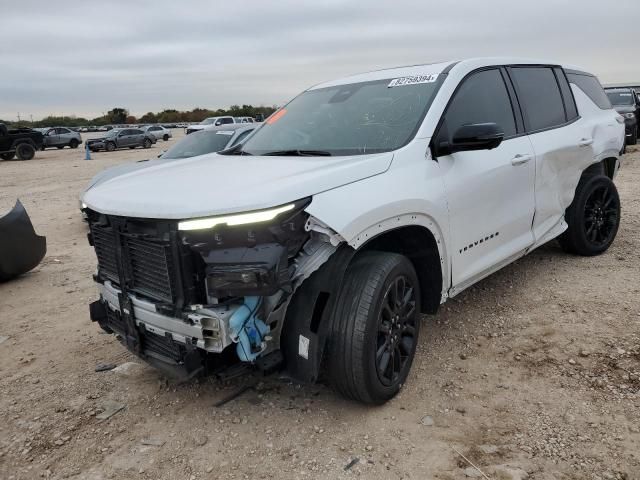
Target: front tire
110 146
166 137
25 151
593 217
74 143
633 139
146 143
375 332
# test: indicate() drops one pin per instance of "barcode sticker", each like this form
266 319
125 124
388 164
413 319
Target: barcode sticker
303 347
413 80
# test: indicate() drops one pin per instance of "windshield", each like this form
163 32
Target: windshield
199 143
112 133
354 119
620 97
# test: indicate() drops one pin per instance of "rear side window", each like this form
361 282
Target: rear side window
224 121
592 89
481 98
539 96
567 95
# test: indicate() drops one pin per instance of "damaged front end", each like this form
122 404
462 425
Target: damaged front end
21 249
201 295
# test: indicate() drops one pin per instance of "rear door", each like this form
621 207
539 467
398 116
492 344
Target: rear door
124 138
561 141
490 193
64 136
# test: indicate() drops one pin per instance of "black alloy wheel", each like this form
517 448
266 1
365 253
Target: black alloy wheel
601 215
374 330
593 217
396 330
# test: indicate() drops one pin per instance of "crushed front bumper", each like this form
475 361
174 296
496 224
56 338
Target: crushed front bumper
203 328
21 249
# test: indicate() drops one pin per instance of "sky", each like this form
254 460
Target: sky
85 57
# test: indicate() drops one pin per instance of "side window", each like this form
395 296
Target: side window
539 96
567 95
240 137
226 120
124 133
481 98
62 131
592 89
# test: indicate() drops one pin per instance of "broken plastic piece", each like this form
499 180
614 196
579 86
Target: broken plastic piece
21 249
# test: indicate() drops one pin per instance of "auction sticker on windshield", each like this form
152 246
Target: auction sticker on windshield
225 132
413 80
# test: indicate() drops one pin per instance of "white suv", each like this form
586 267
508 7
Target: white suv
361 204
210 123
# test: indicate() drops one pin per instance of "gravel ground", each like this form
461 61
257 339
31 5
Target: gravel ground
532 373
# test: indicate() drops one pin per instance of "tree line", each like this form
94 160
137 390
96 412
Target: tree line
120 115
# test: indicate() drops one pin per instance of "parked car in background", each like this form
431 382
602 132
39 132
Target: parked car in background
157 131
244 119
365 202
60 137
210 122
122 138
626 103
19 142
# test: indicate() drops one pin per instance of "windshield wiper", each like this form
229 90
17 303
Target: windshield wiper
299 153
235 150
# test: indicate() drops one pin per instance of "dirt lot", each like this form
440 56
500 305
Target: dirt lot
533 373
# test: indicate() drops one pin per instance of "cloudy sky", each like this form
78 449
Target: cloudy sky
85 57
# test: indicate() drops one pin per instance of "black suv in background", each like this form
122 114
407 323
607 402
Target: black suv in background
122 138
19 142
626 103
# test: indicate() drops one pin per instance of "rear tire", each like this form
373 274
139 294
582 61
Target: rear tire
60 147
132 148
25 151
146 143
8 155
374 334
593 217
110 147
74 143
166 137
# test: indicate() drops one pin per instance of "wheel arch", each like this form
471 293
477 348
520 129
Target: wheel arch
20 141
422 247
606 166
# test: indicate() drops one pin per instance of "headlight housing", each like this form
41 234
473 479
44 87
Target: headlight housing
237 219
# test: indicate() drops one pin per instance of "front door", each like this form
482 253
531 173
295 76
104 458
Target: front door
490 193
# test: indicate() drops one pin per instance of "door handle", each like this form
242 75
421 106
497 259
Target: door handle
520 159
585 142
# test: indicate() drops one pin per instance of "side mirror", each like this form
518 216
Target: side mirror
476 136
218 123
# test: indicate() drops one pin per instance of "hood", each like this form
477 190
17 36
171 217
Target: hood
625 108
215 184
118 170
